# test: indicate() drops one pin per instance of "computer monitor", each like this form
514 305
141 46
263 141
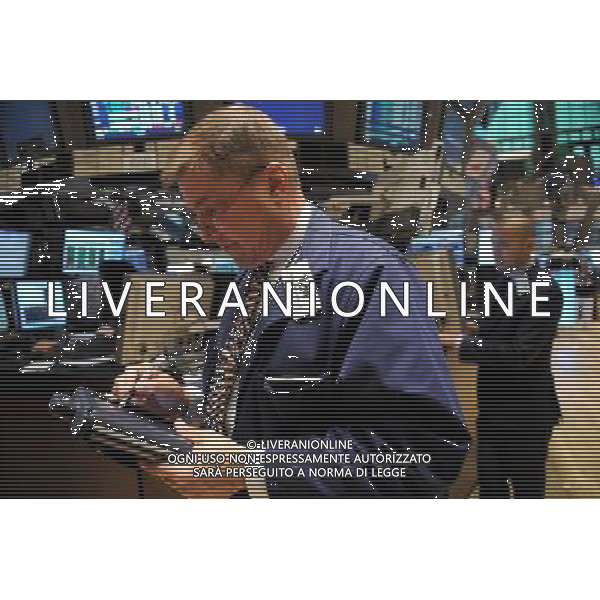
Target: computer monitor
136 120
14 252
26 129
4 325
32 306
444 239
85 249
297 118
397 124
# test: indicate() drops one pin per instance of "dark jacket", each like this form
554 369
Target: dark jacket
515 382
384 381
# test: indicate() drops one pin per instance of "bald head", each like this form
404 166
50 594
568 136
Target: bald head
238 177
233 141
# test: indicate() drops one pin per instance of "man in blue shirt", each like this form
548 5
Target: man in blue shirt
379 382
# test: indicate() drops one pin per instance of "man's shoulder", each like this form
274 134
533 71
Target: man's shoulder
336 245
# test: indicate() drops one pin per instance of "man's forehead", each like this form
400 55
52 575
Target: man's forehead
201 178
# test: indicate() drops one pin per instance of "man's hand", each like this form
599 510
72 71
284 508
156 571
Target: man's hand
185 479
151 389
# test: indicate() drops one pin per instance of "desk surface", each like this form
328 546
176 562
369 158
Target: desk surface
41 459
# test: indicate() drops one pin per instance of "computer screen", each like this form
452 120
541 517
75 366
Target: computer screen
26 128
3 316
576 120
85 249
130 120
296 117
452 239
32 306
14 252
510 127
394 123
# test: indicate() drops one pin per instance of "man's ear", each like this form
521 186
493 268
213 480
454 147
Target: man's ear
277 178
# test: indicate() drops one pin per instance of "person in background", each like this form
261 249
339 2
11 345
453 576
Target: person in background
517 402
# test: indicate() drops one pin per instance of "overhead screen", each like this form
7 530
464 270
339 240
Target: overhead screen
577 121
25 125
131 120
395 123
510 127
14 253
85 249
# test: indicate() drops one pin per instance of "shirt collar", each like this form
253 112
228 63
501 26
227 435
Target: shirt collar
284 256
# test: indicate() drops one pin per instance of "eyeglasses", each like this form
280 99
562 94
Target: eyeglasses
210 207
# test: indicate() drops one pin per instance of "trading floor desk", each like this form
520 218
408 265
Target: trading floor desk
41 459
